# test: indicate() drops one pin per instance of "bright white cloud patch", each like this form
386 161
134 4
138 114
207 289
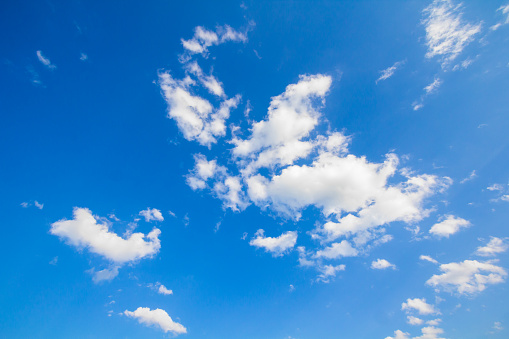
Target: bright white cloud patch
204 38
428 258
45 61
414 320
151 214
429 332
277 246
158 318
328 272
419 305
84 231
337 251
389 72
163 290
382 264
494 247
466 278
447 34
450 225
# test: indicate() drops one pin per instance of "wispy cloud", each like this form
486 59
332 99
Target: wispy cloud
45 61
389 72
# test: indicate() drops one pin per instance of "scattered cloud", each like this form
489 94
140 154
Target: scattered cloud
433 87
152 214
106 274
447 33
494 247
83 57
163 290
448 226
429 332
54 261
414 320
382 264
419 305
157 318
84 231
37 204
277 246
470 177
337 250
204 38
327 272
504 10
428 258
466 278
389 72
45 61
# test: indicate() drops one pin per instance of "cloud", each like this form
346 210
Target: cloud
204 38
327 272
210 82
495 187
83 231
277 246
54 261
151 214
470 177
447 34
448 226
419 305
158 318
389 72
106 274
196 118
337 250
414 320
45 61
505 11
466 278
431 88
429 332
382 264
83 57
163 290
38 205
428 258
494 247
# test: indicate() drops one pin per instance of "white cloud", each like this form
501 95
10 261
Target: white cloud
417 106
505 11
158 318
83 231
106 274
494 247
470 177
327 272
38 205
495 187
204 38
399 335
389 72
427 333
382 264
196 118
431 88
414 320
497 326
163 290
45 61
447 34
419 305
277 246
428 258
466 278
151 214
208 81
448 226
83 57
434 322
337 250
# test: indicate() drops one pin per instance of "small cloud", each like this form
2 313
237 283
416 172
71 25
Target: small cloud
428 258
382 264
494 247
54 261
277 246
45 61
389 72
470 177
419 305
448 226
163 290
106 274
497 326
291 288
152 214
24 204
83 57
38 205
417 106
158 318
414 320
431 88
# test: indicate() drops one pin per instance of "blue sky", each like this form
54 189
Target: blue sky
254 169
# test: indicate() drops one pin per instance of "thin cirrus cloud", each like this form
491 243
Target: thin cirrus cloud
382 264
157 318
45 61
389 71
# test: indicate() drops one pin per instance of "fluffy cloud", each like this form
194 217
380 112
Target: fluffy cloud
429 332
418 305
414 320
196 118
494 247
204 38
152 214
84 231
277 246
163 290
466 278
337 250
447 34
448 226
389 72
327 272
158 318
106 274
382 264
45 61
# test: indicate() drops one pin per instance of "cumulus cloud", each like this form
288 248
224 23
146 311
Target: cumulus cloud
151 214
337 250
106 274
389 72
429 332
449 226
447 33
328 272
419 305
382 264
414 320
204 38
45 61
494 247
466 278
84 231
163 290
278 245
157 318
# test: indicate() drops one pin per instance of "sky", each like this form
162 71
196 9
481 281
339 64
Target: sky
255 169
